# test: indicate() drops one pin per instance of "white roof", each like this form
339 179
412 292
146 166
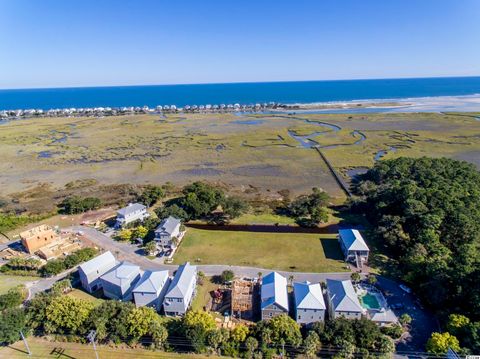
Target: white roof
308 296
131 208
352 240
274 290
124 273
383 316
168 225
343 296
182 281
101 261
152 281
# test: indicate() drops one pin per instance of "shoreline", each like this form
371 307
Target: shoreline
464 103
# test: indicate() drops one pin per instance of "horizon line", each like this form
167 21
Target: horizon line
236 82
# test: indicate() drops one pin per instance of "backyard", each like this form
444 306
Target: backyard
300 252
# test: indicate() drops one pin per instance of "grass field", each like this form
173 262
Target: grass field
283 251
80 294
9 281
203 294
42 348
263 218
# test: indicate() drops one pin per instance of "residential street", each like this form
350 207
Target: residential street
422 325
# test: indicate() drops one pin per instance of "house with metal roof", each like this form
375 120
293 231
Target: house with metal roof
91 271
309 303
167 232
119 282
353 246
181 290
274 296
151 289
133 212
343 300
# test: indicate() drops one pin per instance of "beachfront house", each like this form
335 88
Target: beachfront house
274 296
119 282
133 212
168 233
151 289
343 300
353 246
181 290
309 303
91 271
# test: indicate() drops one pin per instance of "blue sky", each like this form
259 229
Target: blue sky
57 43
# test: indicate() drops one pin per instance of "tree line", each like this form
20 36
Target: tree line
425 213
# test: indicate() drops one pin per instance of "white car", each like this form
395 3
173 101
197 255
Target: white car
405 288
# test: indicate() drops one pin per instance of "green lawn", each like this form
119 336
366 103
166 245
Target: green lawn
203 294
263 218
42 348
78 293
10 281
283 251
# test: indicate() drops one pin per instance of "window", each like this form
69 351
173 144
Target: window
179 300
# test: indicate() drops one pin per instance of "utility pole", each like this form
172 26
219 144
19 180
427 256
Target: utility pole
91 337
25 342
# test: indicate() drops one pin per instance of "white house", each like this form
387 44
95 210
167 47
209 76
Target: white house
274 296
119 282
166 231
309 303
151 289
343 300
353 246
133 212
181 290
91 271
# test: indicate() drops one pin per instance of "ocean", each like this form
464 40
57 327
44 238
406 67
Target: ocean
243 93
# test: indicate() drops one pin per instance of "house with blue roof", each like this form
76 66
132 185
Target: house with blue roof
309 303
353 246
274 296
343 300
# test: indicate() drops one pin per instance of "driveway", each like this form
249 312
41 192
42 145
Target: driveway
423 322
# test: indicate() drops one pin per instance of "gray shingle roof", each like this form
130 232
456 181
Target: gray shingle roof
168 225
125 211
308 296
124 273
343 296
181 281
151 281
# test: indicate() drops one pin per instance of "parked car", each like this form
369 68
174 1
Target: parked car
405 288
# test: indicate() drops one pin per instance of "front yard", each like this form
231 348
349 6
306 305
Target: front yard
300 252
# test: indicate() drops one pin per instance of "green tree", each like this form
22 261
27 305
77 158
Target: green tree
457 322
66 314
12 321
216 338
140 232
251 344
125 235
405 319
355 277
150 195
200 199
61 287
227 276
372 279
36 309
385 344
139 321
173 210
13 298
239 333
151 247
75 204
311 344
159 334
234 207
285 328
199 318
310 210
109 319
53 267
440 342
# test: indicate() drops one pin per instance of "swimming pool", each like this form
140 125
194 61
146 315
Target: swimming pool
370 301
